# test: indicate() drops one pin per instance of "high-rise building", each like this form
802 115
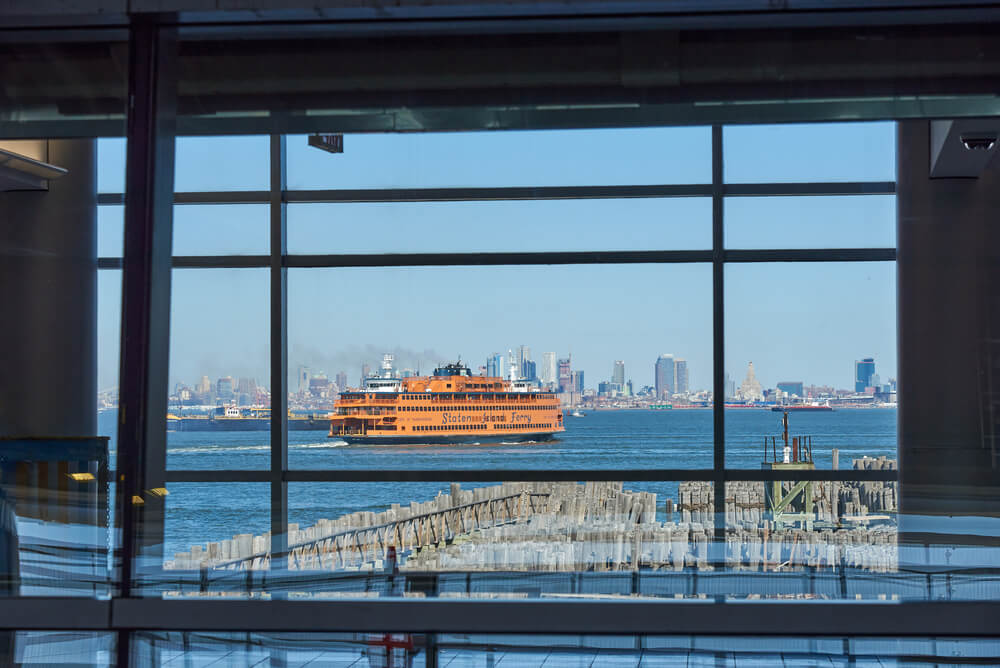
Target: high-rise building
750 389
224 388
365 372
528 371
204 386
523 355
303 378
664 375
548 372
564 375
730 387
792 388
863 372
495 365
618 372
681 376
576 382
341 381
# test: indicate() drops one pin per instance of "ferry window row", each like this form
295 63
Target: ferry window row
465 427
472 408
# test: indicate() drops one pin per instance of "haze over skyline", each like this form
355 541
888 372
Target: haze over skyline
795 321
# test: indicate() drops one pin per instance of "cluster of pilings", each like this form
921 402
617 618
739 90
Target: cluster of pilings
363 539
835 502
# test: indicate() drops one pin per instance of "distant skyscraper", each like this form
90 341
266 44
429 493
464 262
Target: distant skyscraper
750 389
495 365
730 387
303 377
246 386
792 387
528 371
204 386
564 375
365 372
224 388
548 372
576 382
863 372
681 376
618 373
341 381
664 375
523 355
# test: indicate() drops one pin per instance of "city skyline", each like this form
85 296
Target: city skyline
749 386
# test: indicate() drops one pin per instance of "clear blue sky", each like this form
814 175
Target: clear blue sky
804 322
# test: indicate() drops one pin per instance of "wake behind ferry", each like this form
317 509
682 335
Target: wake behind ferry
451 406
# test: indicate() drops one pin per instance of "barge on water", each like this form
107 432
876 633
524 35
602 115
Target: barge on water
233 418
451 406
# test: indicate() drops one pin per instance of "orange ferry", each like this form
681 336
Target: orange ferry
452 406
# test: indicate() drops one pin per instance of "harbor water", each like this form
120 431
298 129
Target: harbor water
680 439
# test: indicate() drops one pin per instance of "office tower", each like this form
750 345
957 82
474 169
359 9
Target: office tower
730 387
618 373
341 381
564 376
664 375
681 376
523 355
204 386
792 388
576 382
246 386
548 372
863 372
224 388
495 365
303 378
365 372
528 371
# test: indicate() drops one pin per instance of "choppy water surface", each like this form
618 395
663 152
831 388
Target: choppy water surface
201 512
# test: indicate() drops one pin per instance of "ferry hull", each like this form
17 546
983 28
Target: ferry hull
453 439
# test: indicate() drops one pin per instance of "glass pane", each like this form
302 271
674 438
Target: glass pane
212 522
810 152
206 164
110 230
219 413
498 538
221 229
811 222
61 648
109 313
513 158
800 539
818 340
588 342
553 225
551 650
111 164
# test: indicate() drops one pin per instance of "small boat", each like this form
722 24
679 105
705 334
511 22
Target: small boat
577 414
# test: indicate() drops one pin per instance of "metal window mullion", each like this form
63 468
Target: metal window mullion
525 475
718 340
279 353
146 275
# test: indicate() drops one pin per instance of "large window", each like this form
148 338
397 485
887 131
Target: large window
615 297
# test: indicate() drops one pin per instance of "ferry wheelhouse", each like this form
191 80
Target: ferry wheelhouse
451 406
